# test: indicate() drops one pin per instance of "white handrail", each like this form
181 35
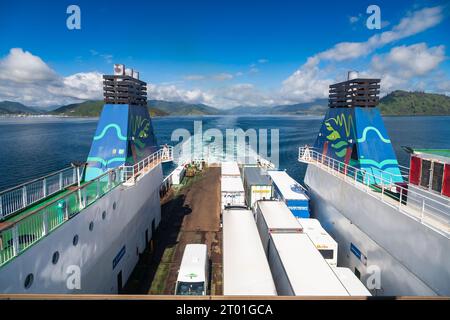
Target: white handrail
408 200
131 173
17 236
19 197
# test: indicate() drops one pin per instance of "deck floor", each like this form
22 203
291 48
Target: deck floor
190 214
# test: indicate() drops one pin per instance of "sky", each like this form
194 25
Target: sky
222 53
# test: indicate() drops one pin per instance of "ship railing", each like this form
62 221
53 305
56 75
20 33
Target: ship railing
27 229
433 212
132 173
19 197
167 153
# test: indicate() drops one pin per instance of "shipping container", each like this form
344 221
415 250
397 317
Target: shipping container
351 282
232 191
290 192
257 185
326 245
274 216
178 174
230 168
245 267
298 268
193 274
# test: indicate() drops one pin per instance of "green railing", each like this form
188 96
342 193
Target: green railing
22 231
26 230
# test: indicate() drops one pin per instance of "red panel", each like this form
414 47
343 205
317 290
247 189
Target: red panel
348 154
446 181
325 150
414 170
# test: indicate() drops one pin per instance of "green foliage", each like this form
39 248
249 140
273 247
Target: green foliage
93 109
83 109
414 103
9 107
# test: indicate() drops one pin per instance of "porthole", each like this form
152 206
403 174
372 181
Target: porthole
103 215
75 240
28 281
91 226
55 257
114 205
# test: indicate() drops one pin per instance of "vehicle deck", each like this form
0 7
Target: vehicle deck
190 213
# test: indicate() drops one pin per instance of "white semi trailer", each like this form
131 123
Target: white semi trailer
352 284
326 245
299 269
232 191
274 217
245 267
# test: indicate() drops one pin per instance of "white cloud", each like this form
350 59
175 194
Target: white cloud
22 67
355 19
310 82
173 93
223 76
444 87
217 77
414 23
105 56
194 77
409 61
244 94
26 78
307 83
83 86
407 67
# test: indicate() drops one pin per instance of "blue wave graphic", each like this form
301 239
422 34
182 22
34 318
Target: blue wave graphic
105 129
367 129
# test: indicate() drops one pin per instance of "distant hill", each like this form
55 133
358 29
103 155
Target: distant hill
10 107
83 109
396 103
93 109
183 108
318 106
414 103
155 112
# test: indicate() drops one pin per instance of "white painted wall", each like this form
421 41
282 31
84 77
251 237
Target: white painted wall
413 258
136 207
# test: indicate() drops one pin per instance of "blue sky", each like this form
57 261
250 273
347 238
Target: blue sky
223 53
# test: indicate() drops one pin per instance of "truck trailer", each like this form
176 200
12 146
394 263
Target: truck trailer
326 245
289 191
274 217
232 191
298 268
230 168
257 185
245 267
